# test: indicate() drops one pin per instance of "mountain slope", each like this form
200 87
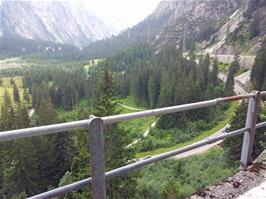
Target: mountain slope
224 27
143 32
248 36
54 21
198 23
168 23
218 27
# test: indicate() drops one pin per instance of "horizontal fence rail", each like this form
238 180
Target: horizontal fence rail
55 128
96 125
119 171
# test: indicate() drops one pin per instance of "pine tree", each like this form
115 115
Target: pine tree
19 160
46 113
21 174
165 90
235 65
12 81
214 72
233 145
16 93
116 139
204 65
7 113
154 90
258 73
229 84
105 104
45 146
26 96
22 117
7 121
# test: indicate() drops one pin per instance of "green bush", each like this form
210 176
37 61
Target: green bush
180 178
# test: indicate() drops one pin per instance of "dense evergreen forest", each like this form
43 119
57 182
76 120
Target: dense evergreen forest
16 46
154 79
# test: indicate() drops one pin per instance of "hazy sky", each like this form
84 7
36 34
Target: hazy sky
121 13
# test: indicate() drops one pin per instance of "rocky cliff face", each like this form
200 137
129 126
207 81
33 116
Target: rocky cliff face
223 27
250 31
196 21
217 27
55 21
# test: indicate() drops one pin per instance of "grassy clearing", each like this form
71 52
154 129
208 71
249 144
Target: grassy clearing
224 67
138 126
9 87
128 101
228 114
82 108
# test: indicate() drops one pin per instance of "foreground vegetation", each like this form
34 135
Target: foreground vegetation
181 178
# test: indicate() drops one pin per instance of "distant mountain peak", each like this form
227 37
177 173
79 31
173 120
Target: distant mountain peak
56 21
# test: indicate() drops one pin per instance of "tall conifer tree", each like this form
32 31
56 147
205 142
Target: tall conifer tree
16 93
116 139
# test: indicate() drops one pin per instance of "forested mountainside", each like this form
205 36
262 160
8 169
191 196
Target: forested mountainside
228 27
17 46
217 27
54 21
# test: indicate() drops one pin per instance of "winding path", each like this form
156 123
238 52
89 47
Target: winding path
130 108
148 130
145 134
